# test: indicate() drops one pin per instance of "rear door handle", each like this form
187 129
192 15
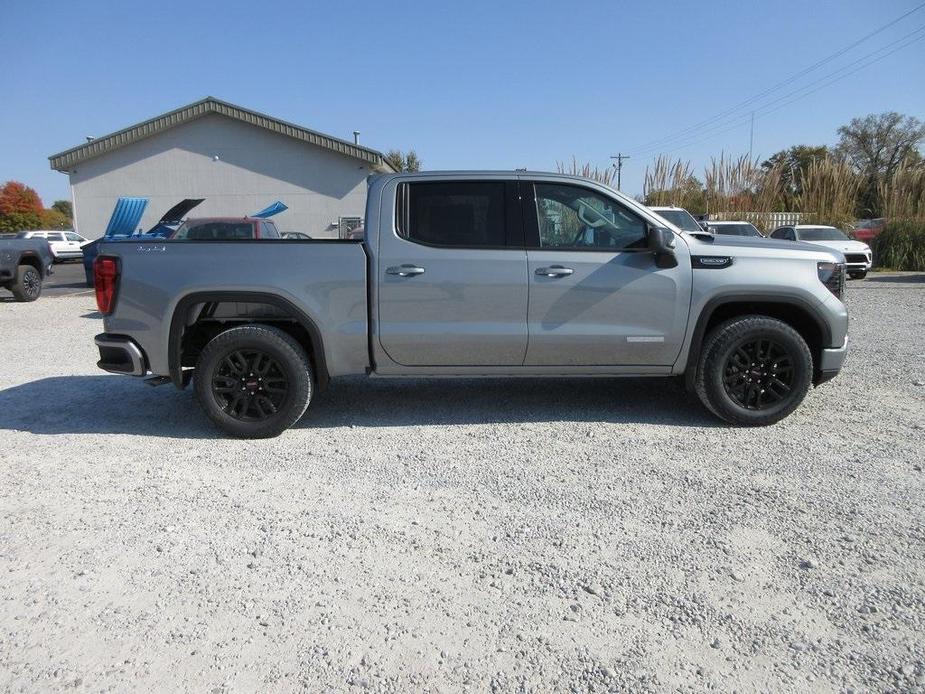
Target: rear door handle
405 270
554 271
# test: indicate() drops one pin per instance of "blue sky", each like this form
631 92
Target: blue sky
468 85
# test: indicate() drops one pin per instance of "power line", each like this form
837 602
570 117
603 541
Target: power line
779 85
790 97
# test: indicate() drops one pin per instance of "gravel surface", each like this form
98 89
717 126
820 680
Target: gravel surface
571 535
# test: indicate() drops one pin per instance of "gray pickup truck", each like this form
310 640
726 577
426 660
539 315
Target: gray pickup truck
24 265
464 274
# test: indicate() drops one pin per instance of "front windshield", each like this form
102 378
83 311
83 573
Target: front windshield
821 234
743 229
680 218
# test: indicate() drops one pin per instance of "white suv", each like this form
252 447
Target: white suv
858 256
64 244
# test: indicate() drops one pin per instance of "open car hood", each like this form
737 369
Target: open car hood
125 217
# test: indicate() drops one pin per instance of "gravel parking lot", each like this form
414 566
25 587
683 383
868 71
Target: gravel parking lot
572 535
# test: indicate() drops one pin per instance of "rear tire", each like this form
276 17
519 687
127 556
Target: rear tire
858 274
28 284
254 381
753 371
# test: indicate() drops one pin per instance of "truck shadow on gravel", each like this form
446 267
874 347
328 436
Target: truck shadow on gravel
119 405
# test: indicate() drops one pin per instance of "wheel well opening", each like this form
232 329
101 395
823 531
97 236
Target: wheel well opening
32 261
796 317
203 321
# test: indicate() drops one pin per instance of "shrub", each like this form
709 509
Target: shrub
901 246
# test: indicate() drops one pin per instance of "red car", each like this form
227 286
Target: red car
868 229
226 228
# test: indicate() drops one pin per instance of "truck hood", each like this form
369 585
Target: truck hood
842 246
703 244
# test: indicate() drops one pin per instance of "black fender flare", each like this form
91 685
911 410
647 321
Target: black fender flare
693 353
178 321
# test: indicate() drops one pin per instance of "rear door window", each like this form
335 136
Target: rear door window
269 231
462 214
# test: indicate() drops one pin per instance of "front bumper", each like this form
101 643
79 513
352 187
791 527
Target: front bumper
830 362
120 355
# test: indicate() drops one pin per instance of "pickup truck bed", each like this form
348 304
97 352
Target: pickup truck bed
325 282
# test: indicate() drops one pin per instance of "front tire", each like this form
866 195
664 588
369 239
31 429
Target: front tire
253 381
28 284
753 371
858 274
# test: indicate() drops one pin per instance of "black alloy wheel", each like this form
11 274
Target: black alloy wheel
250 385
32 283
753 370
758 374
254 381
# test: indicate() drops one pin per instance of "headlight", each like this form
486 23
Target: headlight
832 275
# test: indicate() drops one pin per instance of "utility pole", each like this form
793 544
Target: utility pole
619 164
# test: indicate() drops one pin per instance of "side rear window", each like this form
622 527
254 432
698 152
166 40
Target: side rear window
467 214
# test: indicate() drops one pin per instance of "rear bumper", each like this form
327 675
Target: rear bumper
830 362
120 355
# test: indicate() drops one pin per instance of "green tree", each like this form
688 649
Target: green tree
64 207
403 162
875 146
55 219
793 164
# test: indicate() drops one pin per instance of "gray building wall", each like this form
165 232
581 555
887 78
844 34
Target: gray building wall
238 168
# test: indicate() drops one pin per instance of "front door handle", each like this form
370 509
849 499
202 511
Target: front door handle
405 270
554 271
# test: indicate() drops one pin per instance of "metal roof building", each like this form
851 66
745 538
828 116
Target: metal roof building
239 160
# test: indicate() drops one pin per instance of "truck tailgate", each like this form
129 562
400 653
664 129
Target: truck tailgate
324 280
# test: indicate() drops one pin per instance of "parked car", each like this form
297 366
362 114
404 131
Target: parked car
735 229
858 256
866 230
680 217
476 274
225 229
24 265
65 245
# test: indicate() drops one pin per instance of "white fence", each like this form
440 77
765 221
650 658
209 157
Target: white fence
763 220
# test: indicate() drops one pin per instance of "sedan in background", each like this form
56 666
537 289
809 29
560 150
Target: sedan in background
734 229
858 256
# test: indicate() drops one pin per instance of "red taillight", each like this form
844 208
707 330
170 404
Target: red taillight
105 279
